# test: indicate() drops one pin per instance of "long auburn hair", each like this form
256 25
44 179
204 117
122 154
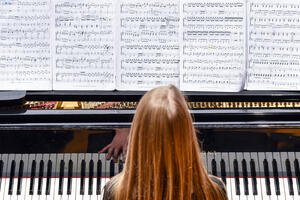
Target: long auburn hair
163 159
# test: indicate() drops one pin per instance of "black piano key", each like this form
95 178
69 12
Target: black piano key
253 176
111 169
214 167
20 177
245 177
223 171
99 174
41 174
297 172
49 174
82 177
289 175
120 166
70 175
32 177
236 177
91 175
11 177
276 177
267 177
61 177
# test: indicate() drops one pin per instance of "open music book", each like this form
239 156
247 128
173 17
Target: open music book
197 45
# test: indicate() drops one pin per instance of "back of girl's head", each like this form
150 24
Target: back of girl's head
163 159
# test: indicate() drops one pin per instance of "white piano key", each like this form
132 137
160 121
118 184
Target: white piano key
75 174
250 196
7 180
233 189
55 186
95 158
14 195
53 158
103 179
78 181
25 178
286 190
5 188
259 189
75 187
282 193
296 194
35 195
78 195
94 195
57 196
264 190
38 159
66 159
25 193
87 158
44 179
273 191
242 189
64 195
228 188
86 195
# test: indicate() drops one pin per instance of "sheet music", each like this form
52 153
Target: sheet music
212 45
84 45
25 61
148 45
274 45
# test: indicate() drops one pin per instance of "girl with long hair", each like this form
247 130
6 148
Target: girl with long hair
163 160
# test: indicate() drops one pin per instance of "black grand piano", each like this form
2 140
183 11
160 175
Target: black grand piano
49 141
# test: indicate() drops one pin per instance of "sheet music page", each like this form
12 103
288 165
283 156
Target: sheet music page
84 45
25 60
274 45
148 44
212 45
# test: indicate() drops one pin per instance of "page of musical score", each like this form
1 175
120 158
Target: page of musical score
197 45
25 57
274 45
84 42
213 45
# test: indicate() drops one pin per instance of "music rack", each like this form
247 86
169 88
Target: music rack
262 96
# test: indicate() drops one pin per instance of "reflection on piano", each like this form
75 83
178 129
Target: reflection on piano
250 141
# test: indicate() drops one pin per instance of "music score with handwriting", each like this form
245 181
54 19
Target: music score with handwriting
197 45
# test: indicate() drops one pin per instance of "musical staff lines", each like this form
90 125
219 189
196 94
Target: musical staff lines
25 57
197 45
84 45
212 45
149 44
274 45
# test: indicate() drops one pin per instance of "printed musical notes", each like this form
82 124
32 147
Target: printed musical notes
212 45
84 45
197 45
148 44
274 45
25 59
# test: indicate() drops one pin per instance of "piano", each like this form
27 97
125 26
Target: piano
49 142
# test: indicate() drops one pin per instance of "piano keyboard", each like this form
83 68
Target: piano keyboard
248 176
